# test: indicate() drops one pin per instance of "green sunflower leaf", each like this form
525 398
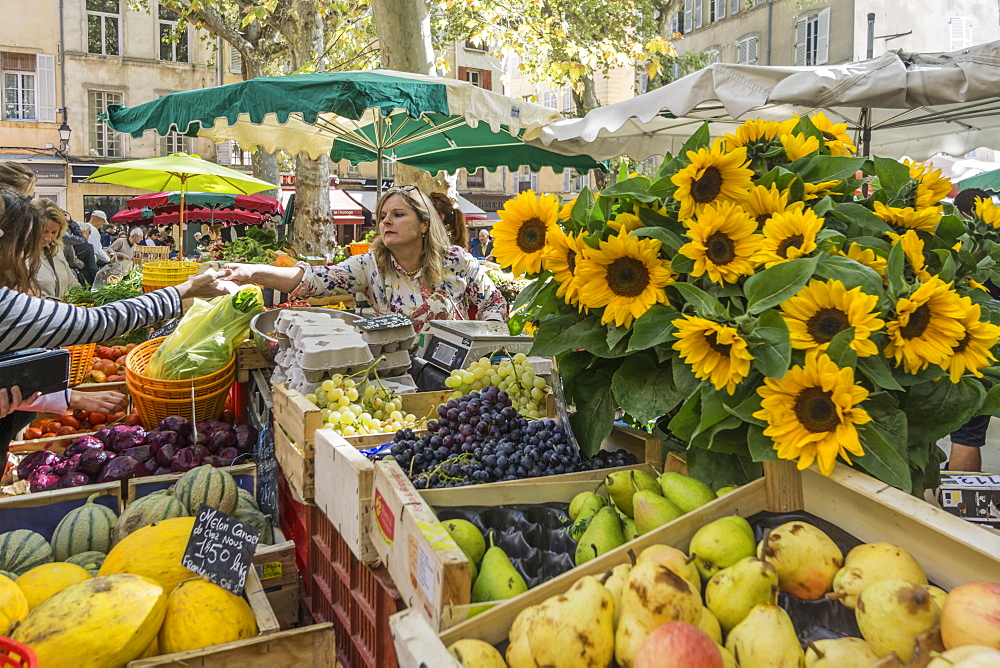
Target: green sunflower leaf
745 410
894 270
595 409
562 333
645 389
776 284
701 138
534 289
827 168
851 273
954 404
683 424
861 217
636 187
761 447
684 379
771 345
682 264
653 327
616 334
877 371
991 404
882 460
717 469
666 237
704 304
840 350
892 175
949 229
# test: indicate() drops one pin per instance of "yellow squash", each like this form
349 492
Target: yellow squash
202 614
103 622
154 551
46 580
13 604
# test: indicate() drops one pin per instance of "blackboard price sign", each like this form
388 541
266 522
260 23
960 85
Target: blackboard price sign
221 549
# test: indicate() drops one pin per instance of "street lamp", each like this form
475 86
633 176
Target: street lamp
64 132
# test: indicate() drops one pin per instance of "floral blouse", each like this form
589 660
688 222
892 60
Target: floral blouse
464 284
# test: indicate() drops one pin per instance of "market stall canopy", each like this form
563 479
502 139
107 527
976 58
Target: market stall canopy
431 123
343 209
914 104
179 171
259 203
986 181
171 215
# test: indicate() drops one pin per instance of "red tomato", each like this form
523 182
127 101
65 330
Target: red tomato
65 431
70 421
133 419
99 425
32 433
98 418
80 414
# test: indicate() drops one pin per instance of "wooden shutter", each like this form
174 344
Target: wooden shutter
224 153
45 87
698 5
741 52
463 73
752 51
800 41
959 33
688 16
720 9
823 38
235 61
487 79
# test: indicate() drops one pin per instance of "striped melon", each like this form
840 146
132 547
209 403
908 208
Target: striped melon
21 550
209 485
90 561
258 521
85 529
8 574
151 508
246 500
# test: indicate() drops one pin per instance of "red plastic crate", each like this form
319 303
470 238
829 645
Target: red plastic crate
294 518
375 600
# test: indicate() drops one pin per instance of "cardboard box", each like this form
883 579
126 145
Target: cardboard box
971 496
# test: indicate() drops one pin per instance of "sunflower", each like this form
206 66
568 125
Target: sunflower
913 250
821 189
798 146
835 135
812 413
789 235
927 326
909 218
525 222
715 352
626 275
561 255
625 221
758 131
976 285
712 175
566 209
973 350
931 186
765 202
865 256
722 242
823 309
987 212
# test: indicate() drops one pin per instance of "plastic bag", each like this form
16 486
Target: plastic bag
207 336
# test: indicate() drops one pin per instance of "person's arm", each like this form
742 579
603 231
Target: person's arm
482 292
302 280
10 402
54 402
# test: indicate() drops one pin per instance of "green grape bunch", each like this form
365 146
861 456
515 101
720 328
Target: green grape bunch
513 375
370 408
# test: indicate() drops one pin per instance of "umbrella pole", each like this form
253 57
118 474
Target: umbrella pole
183 184
378 172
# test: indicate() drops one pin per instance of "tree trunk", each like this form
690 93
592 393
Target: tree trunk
404 33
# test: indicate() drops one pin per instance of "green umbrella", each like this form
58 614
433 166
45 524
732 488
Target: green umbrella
986 181
432 123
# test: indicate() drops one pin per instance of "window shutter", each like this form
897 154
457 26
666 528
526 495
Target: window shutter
675 24
463 73
688 16
800 41
488 79
224 153
752 51
697 13
46 87
823 38
720 9
734 7
741 52
960 33
235 61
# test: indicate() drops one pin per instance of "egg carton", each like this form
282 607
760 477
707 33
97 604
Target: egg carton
336 351
392 346
403 384
279 375
305 387
384 322
303 330
287 318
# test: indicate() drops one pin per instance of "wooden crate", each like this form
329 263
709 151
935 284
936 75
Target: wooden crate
41 512
344 491
136 488
861 505
248 358
310 646
280 577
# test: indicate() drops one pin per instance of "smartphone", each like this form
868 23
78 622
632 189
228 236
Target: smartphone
35 370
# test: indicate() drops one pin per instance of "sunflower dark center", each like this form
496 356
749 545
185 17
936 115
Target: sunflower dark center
708 187
815 410
826 324
829 136
720 249
963 344
531 236
712 339
918 322
763 218
571 261
794 241
627 277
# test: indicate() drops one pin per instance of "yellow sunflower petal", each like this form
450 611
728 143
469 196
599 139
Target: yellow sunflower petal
722 243
520 236
715 352
927 327
788 235
712 175
823 309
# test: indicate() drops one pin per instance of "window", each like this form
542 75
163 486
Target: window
353 170
29 87
716 10
476 179
514 66
104 142
580 182
698 4
526 180
812 39
746 51
173 42
734 7
687 17
230 154
174 142
567 100
713 55
474 77
235 61
388 168
103 21
643 82
481 78
474 46
960 33
549 100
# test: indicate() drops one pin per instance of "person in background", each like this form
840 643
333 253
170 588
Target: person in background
197 238
123 250
83 250
98 219
453 219
153 239
18 177
107 235
54 275
93 236
485 247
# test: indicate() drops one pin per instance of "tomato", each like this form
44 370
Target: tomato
104 352
129 347
38 422
32 433
80 414
65 431
98 418
116 352
120 361
114 417
99 425
51 426
116 378
99 376
70 421
49 434
133 419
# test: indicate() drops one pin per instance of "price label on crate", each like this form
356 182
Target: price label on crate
221 549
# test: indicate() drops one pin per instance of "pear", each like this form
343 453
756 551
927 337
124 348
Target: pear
577 503
468 537
806 559
685 492
733 592
498 579
568 630
869 563
939 595
840 653
765 639
588 508
673 559
728 660
616 585
628 529
602 535
709 623
891 613
473 653
722 491
653 596
621 485
518 650
967 656
720 544
652 511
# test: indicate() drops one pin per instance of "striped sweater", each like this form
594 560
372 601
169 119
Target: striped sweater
30 322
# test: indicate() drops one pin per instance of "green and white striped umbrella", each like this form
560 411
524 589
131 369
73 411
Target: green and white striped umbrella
427 122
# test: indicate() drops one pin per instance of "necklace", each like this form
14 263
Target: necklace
411 274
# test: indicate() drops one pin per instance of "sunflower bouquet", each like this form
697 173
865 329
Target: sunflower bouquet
768 295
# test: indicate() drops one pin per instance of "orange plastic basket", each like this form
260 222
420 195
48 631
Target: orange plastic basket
138 359
80 359
16 655
152 409
359 249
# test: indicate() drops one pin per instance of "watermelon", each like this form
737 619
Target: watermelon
10 576
209 485
21 550
82 530
152 508
246 500
91 561
258 521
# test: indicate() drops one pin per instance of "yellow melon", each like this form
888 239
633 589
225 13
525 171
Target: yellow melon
46 580
154 551
13 604
101 622
202 614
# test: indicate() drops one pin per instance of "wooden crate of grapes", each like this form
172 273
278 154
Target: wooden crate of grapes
951 552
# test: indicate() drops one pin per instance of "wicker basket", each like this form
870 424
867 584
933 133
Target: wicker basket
156 275
152 409
359 249
80 359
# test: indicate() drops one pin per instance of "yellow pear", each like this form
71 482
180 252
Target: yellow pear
728 660
518 650
653 596
891 614
733 592
805 557
765 639
939 595
709 623
869 563
720 544
473 653
840 653
616 585
673 559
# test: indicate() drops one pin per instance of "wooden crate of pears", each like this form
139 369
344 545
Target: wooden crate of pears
644 599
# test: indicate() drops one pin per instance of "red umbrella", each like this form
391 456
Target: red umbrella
259 203
224 217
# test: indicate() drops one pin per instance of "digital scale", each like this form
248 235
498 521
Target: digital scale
447 345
